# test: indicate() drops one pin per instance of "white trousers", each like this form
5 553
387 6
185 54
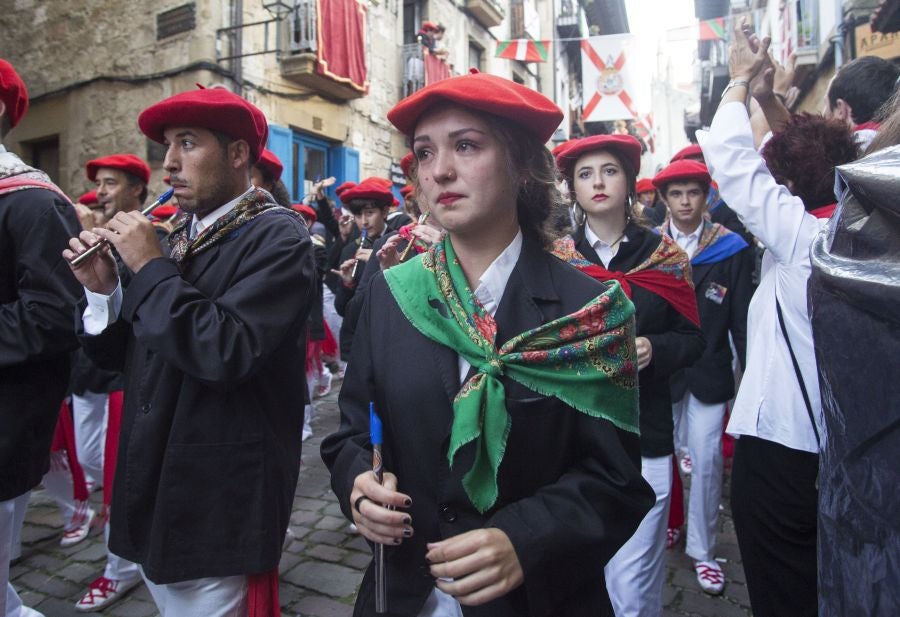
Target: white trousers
89 412
331 315
10 603
702 424
635 575
209 597
118 568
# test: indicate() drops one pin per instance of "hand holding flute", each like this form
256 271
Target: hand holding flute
133 237
145 212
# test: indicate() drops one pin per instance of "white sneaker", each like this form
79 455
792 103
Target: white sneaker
686 464
81 527
103 592
710 577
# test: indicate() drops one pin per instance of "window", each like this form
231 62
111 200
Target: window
44 155
175 21
306 158
476 56
411 17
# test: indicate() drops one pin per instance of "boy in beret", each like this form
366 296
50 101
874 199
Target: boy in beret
722 265
210 339
37 297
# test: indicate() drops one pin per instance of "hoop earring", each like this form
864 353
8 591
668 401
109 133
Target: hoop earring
629 208
580 216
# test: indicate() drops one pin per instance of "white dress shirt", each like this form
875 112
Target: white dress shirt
492 284
687 242
604 251
103 310
769 404
490 290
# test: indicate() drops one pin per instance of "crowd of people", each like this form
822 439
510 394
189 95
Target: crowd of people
546 341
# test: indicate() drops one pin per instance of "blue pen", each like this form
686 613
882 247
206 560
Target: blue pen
146 212
378 469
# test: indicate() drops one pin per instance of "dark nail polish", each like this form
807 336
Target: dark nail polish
406 520
407 532
407 502
397 540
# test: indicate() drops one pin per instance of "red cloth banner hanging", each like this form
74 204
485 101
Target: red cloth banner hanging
341 35
435 68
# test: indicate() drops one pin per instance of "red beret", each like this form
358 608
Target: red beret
369 189
407 190
644 185
215 109
88 198
165 211
308 212
529 109
626 146
128 163
429 25
406 163
690 151
684 170
343 187
269 162
562 147
379 181
12 93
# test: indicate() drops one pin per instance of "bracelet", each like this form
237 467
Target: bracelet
358 501
733 83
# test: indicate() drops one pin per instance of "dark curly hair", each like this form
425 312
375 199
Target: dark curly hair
542 213
804 154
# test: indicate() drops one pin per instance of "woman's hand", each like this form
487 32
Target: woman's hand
375 521
644 352
482 564
388 255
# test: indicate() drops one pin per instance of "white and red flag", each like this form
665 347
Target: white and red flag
606 77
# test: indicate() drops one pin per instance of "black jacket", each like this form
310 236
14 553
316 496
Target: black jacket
676 341
711 378
209 450
37 333
570 490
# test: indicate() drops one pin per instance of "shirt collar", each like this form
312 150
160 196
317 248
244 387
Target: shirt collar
199 224
593 240
492 283
678 234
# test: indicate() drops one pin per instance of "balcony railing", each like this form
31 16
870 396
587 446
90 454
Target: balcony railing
413 68
302 22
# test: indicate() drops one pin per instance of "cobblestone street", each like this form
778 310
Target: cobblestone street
321 569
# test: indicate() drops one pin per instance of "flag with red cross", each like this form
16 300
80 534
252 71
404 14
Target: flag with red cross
606 79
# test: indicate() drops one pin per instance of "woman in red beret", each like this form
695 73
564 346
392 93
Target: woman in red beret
611 243
508 401
266 174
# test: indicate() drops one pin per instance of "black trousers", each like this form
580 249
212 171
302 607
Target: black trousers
774 504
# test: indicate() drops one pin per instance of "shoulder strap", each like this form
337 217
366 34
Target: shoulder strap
798 373
17 184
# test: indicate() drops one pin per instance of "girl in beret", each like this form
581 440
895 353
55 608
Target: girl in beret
611 243
508 398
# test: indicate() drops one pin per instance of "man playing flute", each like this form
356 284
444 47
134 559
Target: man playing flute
209 339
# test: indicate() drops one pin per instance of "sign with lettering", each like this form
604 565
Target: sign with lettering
870 43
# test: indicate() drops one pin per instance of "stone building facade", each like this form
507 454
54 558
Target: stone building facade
91 66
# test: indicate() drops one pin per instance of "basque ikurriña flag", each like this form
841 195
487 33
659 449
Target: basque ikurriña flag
605 77
524 50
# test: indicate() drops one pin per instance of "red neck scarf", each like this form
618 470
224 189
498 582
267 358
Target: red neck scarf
666 272
824 212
